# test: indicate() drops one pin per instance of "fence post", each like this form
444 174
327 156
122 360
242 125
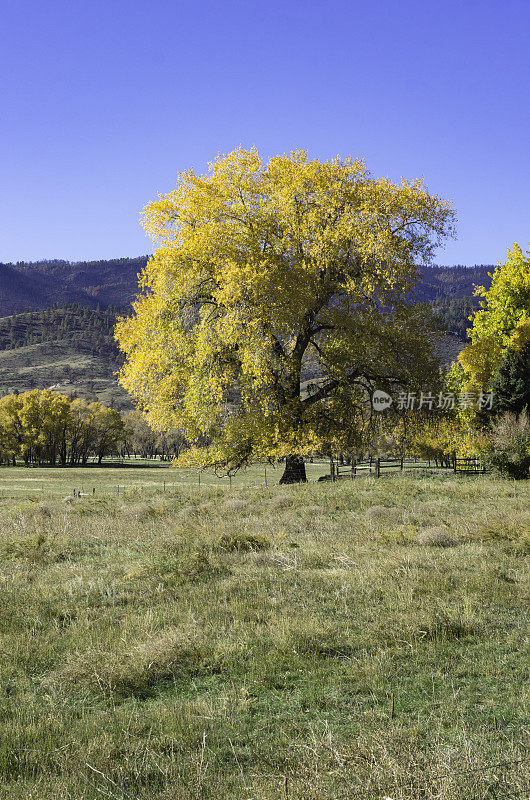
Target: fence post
353 468
378 468
401 464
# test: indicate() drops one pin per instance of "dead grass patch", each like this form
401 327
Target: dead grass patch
436 537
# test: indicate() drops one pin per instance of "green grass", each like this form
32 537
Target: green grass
353 640
142 474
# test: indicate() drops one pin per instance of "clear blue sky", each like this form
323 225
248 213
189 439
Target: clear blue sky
103 102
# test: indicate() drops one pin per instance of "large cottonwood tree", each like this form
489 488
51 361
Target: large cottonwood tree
265 271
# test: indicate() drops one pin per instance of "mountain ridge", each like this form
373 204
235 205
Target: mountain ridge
100 284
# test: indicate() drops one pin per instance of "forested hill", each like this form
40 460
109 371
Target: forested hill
449 290
42 284
452 283
84 329
70 349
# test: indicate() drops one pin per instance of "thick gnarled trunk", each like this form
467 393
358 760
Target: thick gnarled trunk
294 471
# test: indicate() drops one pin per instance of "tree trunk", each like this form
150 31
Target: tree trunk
294 471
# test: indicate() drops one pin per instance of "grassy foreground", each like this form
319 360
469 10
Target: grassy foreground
349 640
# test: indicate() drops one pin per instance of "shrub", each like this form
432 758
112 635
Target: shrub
188 561
243 541
508 449
282 501
140 671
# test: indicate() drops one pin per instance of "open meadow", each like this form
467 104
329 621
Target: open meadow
349 641
144 475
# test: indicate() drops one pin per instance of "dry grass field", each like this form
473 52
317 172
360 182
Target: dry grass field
349 641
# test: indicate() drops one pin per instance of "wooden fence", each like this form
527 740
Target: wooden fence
378 467
469 466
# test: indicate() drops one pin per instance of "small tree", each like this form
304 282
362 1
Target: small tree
511 384
501 322
266 275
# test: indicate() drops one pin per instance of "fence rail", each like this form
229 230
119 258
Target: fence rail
378 466
469 466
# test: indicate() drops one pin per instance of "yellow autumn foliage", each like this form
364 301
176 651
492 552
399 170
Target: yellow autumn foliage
502 321
266 272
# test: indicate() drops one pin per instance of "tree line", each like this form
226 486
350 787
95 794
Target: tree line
45 428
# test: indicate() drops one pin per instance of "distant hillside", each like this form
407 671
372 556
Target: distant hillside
94 284
70 349
451 283
449 291
95 329
22 289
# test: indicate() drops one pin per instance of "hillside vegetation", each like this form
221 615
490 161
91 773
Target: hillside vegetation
70 348
94 329
42 284
362 640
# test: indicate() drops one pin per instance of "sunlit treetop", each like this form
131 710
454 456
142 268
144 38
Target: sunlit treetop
501 322
507 303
